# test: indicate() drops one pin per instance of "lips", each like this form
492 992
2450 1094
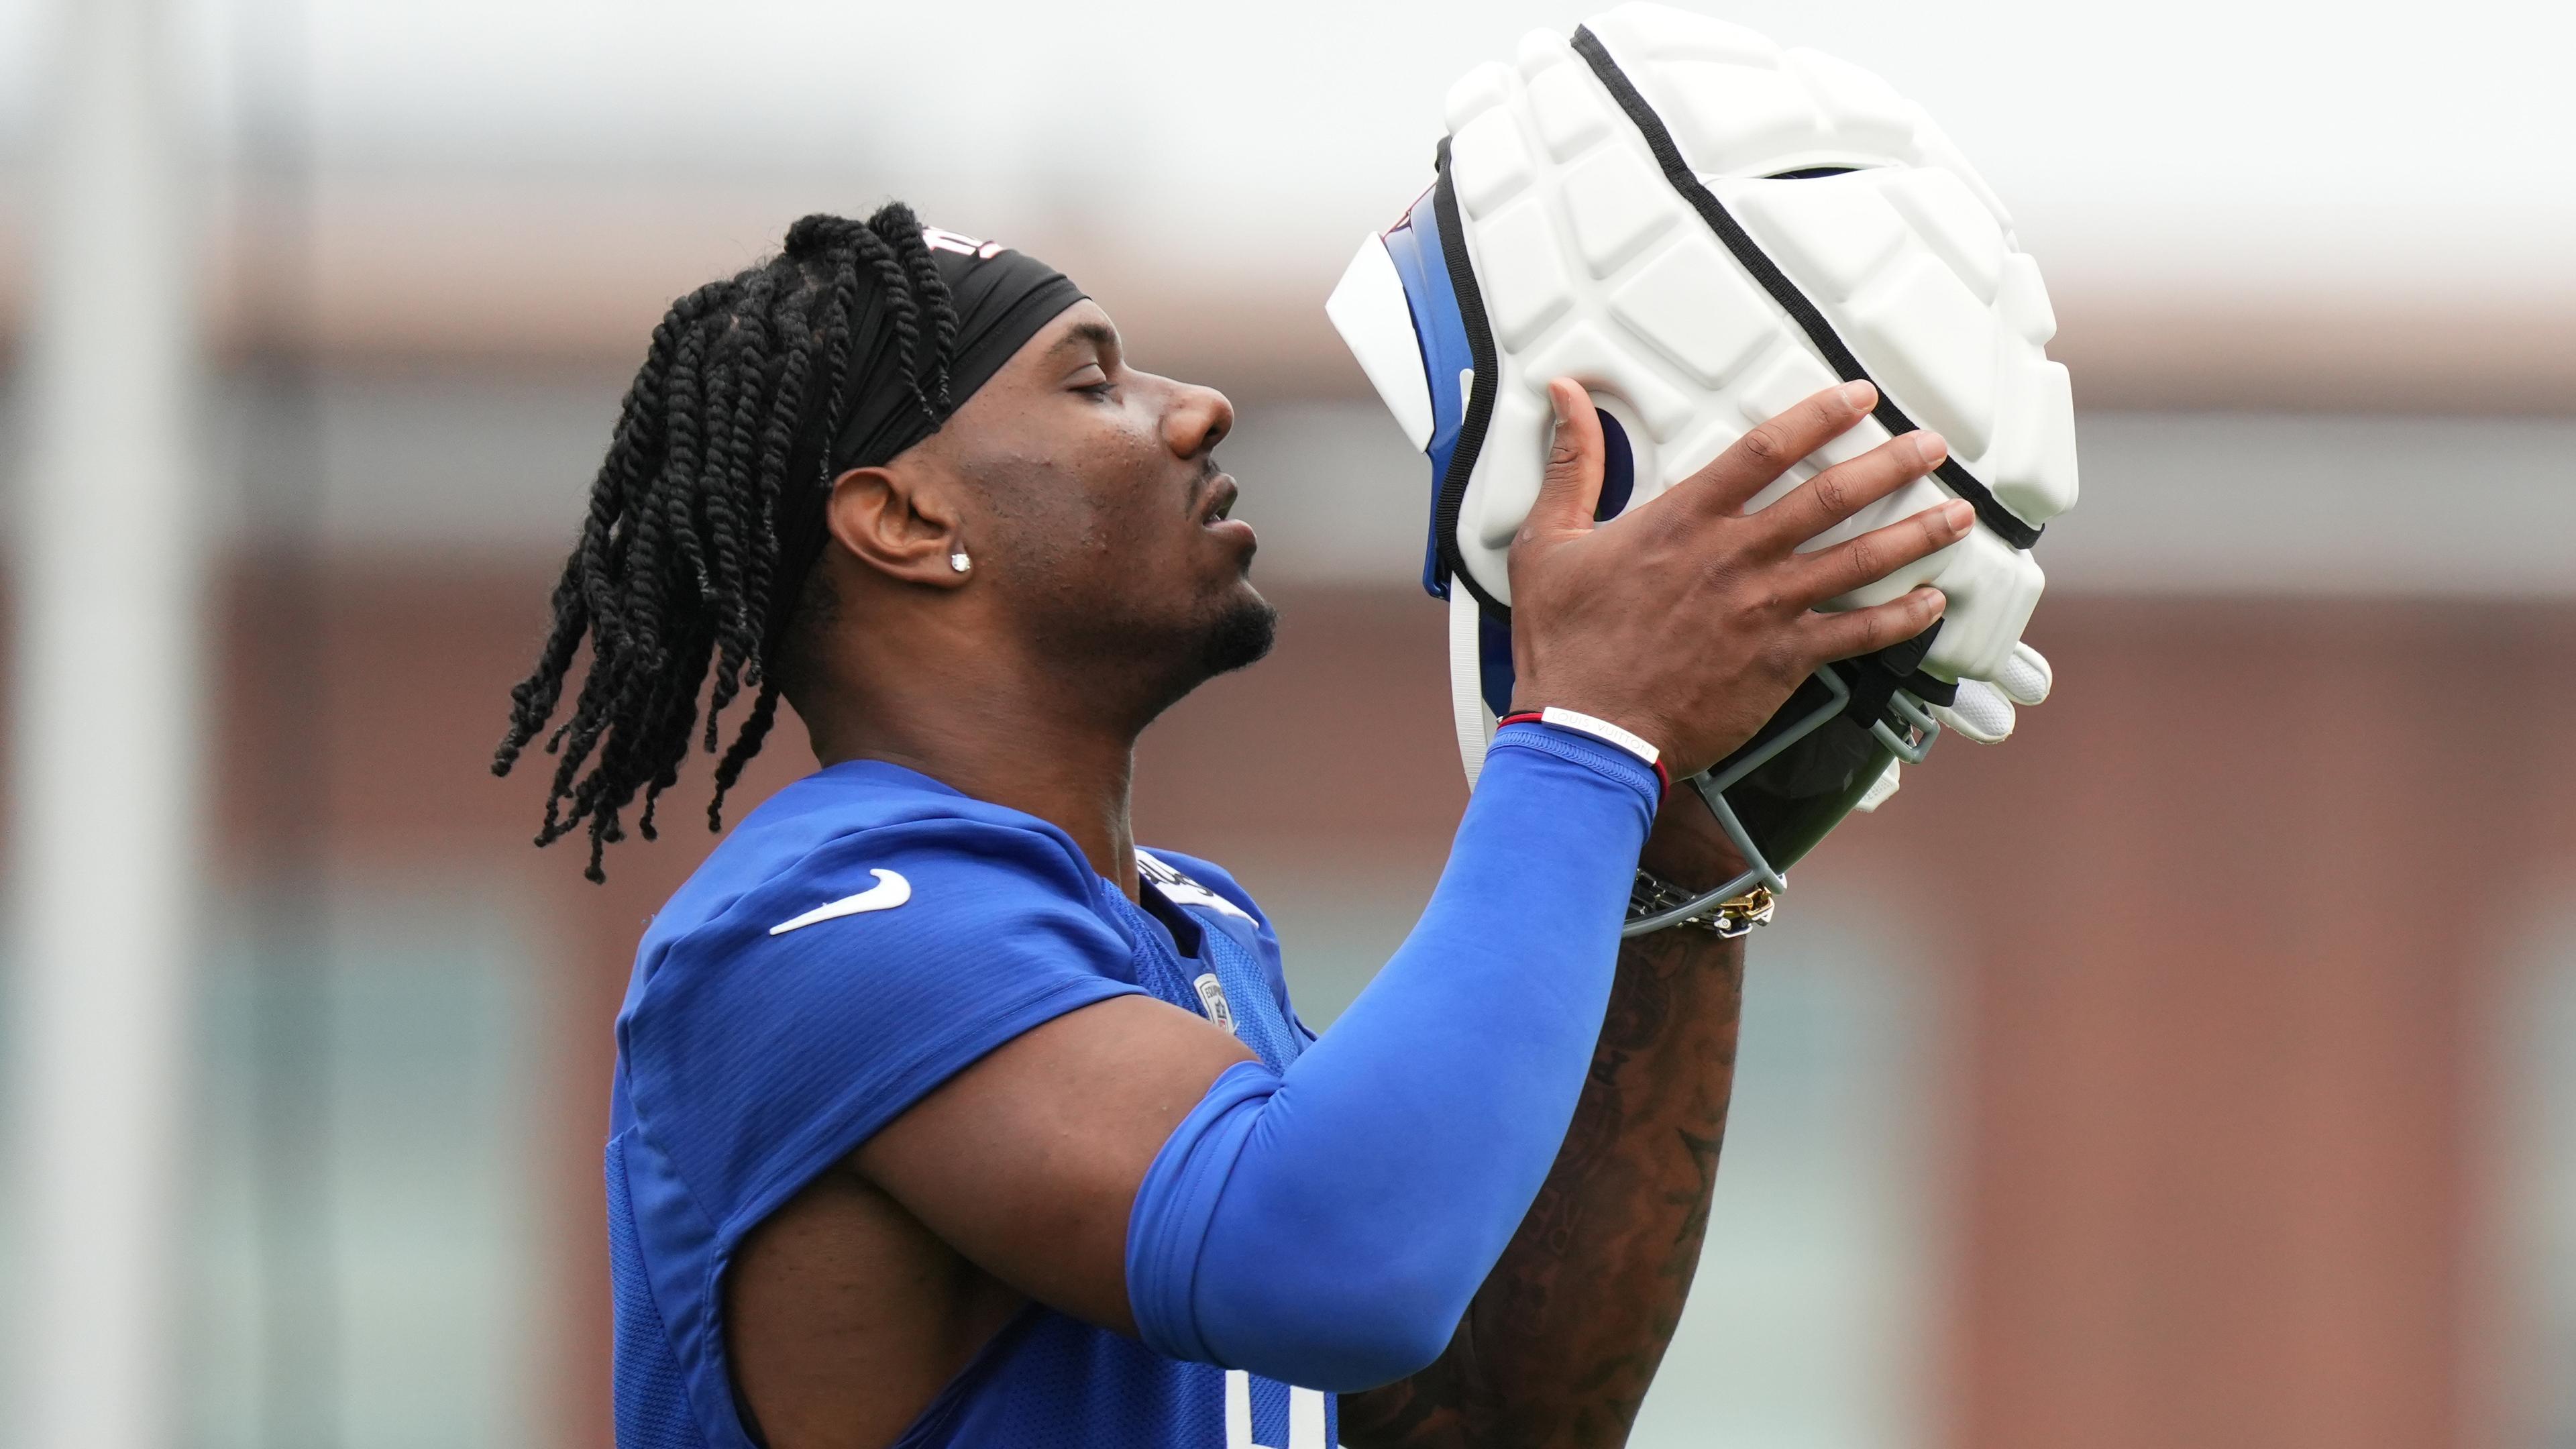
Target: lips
1218 505
1216 516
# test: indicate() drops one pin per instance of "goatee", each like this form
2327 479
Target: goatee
1242 636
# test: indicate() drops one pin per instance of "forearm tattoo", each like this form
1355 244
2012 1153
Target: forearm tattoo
1560 1345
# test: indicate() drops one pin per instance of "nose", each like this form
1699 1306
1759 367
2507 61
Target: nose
1198 419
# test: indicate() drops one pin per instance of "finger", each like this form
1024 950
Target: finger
1854 563
1846 488
1980 712
1862 631
2025 677
1756 460
1571 488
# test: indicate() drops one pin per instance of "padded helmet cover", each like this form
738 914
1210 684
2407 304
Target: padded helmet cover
1591 265
1704 228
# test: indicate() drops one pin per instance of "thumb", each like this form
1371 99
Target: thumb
1571 487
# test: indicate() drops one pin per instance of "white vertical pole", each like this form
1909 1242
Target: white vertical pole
105 787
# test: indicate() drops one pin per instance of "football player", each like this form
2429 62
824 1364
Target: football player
943 1114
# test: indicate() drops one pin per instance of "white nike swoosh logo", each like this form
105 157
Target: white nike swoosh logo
890 891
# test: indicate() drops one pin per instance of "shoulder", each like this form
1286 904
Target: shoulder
838 960
867 879
831 833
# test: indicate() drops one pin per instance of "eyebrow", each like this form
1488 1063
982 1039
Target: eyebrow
1100 335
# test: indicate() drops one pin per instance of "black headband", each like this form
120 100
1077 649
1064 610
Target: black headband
1002 298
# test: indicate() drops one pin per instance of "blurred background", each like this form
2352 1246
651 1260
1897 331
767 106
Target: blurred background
2192 1070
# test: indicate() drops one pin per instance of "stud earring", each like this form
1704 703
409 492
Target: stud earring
959 562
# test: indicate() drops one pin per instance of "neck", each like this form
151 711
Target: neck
1003 730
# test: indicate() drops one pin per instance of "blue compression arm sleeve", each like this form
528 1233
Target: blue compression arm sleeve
1326 1226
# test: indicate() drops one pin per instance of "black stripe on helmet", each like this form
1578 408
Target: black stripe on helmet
1749 253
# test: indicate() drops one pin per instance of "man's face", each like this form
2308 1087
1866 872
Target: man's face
1104 516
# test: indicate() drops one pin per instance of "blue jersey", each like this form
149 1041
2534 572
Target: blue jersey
860 938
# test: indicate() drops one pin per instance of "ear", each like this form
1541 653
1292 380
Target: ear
901 521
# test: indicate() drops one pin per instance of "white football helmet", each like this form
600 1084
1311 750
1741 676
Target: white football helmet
1703 228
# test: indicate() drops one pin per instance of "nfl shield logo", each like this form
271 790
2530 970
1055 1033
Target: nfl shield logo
1212 997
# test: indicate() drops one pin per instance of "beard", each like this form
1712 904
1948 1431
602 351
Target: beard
1240 637
1137 666
1234 635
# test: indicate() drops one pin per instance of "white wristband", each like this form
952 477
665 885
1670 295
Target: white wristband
1600 729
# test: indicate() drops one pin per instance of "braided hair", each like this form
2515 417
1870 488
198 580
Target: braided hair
705 516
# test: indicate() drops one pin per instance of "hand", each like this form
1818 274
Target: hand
1689 621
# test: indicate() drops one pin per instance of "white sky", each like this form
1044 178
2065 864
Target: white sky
2258 146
